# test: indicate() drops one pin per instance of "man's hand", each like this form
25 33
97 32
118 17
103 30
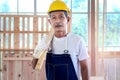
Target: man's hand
34 62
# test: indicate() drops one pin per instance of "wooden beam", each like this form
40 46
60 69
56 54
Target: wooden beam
14 58
16 35
93 63
24 32
35 28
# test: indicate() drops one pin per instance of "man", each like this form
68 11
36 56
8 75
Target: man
67 59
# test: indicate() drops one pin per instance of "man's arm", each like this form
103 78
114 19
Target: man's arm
84 70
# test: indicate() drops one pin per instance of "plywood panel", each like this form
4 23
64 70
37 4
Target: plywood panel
5 70
26 66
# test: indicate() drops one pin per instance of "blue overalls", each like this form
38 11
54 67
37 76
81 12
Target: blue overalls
59 67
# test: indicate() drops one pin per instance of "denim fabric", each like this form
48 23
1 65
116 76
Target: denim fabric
59 67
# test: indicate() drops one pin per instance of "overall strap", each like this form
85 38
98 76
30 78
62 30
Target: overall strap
66 44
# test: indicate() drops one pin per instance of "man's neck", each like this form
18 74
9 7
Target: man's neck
60 34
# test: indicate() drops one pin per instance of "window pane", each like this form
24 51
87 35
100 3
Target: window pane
111 32
80 25
100 33
113 6
79 5
43 6
100 5
8 6
26 5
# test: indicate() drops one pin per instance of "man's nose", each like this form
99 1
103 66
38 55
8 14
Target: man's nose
57 19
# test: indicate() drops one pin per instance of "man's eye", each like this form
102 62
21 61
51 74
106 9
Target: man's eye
61 16
52 17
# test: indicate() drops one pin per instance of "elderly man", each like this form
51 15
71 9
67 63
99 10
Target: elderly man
67 57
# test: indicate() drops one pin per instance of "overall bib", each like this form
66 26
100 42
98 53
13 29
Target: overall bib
59 67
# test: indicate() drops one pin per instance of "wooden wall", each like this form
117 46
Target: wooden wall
19 36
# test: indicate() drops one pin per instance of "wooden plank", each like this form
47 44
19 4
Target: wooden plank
9 36
27 71
4 29
93 63
23 35
4 71
17 59
16 35
101 63
109 55
4 23
23 15
35 35
10 69
10 32
5 68
15 67
1 68
14 50
1 35
4 43
18 70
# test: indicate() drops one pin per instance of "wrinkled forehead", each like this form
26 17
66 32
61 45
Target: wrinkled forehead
62 12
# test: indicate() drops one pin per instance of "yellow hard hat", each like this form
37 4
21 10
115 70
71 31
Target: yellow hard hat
58 5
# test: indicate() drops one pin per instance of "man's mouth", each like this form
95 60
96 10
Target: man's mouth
58 26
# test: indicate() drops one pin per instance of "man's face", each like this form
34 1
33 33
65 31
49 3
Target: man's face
58 21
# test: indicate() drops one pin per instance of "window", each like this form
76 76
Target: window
108 17
43 6
8 6
26 6
79 17
109 30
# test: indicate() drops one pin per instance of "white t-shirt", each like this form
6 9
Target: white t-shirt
76 47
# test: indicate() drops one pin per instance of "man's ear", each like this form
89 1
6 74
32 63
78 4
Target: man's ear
68 19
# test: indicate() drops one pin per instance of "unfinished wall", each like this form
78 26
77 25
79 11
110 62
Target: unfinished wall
19 35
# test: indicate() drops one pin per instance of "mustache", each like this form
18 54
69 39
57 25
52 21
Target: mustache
58 25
